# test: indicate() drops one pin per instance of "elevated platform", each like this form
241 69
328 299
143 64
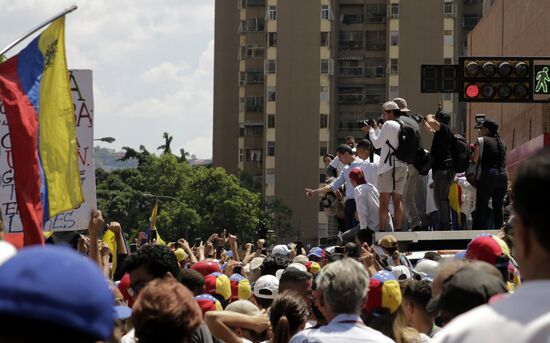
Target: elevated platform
434 240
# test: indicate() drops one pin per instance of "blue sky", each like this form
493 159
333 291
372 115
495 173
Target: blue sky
152 63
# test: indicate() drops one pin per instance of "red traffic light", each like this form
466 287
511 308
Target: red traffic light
472 91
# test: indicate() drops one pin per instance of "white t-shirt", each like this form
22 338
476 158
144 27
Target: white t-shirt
520 317
370 170
367 201
388 132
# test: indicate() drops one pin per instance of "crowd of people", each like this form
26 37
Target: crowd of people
387 181
494 291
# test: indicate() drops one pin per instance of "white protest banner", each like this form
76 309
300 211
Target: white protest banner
77 219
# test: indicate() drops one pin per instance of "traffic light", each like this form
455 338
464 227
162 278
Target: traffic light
496 79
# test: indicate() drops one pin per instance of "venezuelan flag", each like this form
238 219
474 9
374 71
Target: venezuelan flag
153 226
34 86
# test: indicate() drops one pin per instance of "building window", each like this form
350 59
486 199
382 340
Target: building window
394 38
242 3
325 39
270 121
394 11
242 78
469 21
327 66
241 132
324 121
254 77
447 61
272 12
253 131
394 92
350 95
351 14
326 12
394 66
254 103
255 51
250 3
449 9
376 67
323 148
240 155
271 94
270 148
351 40
376 13
350 67
243 26
255 25
272 39
376 40
270 66
324 95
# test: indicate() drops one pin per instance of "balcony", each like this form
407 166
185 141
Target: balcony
350 72
374 99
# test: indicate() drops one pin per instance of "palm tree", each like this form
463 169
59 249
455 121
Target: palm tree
184 154
166 146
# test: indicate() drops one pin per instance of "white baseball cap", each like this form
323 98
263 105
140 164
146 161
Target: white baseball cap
390 105
266 287
280 249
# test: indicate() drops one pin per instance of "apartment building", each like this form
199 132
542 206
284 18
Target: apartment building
292 78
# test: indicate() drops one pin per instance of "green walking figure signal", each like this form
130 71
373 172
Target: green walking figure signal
542 81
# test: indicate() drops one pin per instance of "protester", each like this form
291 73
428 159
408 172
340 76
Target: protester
266 289
392 172
522 316
412 210
493 181
346 156
443 172
298 281
288 315
52 294
343 279
165 312
416 296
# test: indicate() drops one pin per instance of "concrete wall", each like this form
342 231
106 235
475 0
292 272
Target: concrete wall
226 86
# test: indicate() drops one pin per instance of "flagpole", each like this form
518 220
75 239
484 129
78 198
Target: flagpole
57 16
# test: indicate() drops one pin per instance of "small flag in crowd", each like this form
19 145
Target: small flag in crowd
34 87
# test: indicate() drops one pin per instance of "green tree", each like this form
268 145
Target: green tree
276 217
183 156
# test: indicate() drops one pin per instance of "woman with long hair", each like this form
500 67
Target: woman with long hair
288 315
490 151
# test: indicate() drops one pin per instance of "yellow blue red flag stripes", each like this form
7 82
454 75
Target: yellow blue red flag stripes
34 86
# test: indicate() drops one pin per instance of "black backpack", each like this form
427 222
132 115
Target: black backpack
461 153
409 143
424 161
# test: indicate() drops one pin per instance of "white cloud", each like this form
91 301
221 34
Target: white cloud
152 64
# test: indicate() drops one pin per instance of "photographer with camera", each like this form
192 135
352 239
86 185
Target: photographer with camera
413 178
392 172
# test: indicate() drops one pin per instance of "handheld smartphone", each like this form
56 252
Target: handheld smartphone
133 248
153 235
